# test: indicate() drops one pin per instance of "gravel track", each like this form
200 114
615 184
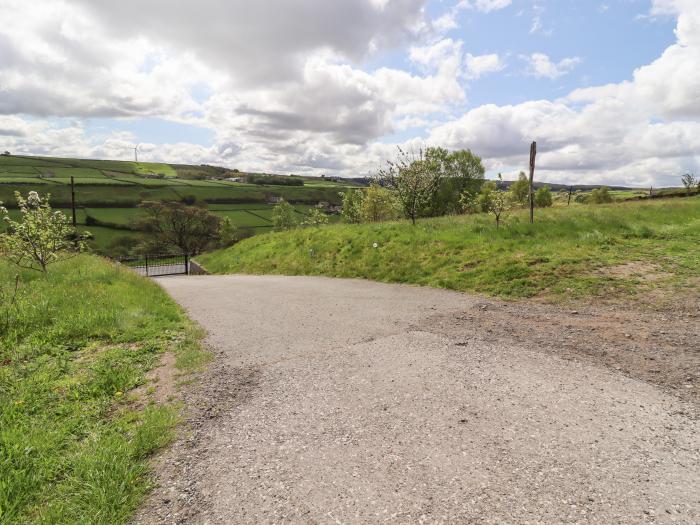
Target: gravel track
346 401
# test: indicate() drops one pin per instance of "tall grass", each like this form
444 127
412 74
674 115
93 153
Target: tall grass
557 256
73 344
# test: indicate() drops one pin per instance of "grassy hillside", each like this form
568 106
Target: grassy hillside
570 252
111 191
75 437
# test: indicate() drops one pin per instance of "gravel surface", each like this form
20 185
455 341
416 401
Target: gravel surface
345 401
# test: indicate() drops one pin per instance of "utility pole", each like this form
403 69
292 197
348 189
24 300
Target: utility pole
533 154
72 199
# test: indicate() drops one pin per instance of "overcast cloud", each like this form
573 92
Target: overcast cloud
311 86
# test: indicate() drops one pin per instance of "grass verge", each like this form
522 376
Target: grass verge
74 344
584 251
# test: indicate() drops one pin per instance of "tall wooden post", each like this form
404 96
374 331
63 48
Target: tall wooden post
72 201
571 189
533 154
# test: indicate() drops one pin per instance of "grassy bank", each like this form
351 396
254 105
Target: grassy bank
75 436
575 252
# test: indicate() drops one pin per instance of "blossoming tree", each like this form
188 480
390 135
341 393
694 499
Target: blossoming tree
41 236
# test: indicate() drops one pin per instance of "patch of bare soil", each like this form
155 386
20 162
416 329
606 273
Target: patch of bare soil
180 494
636 269
656 339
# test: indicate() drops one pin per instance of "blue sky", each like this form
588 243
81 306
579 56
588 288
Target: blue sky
608 88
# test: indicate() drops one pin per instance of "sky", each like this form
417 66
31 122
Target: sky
610 89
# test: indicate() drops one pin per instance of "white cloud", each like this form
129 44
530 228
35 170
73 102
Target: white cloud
484 6
541 66
287 92
478 66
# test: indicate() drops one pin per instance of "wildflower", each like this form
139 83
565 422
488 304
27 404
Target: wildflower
375 245
119 393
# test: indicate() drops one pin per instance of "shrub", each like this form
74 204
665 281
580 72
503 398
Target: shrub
283 216
352 203
378 204
599 196
315 218
520 189
543 197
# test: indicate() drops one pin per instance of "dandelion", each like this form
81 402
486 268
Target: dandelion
119 393
375 245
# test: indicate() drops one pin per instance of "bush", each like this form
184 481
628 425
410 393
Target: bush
283 216
190 200
543 197
378 204
599 196
315 218
352 203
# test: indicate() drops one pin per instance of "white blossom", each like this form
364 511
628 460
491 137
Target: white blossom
33 199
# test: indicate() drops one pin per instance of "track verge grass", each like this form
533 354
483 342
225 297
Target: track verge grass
569 253
75 434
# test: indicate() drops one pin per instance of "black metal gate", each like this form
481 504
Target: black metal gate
156 265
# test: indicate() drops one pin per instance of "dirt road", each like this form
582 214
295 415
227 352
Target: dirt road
338 401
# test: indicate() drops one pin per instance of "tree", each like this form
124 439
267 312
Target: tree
283 216
543 197
352 202
599 196
191 229
315 218
459 172
229 233
414 182
689 181
41 237
495 201
520 189
377 204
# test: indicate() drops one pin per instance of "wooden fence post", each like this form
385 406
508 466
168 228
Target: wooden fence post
72 201
571 189
533 154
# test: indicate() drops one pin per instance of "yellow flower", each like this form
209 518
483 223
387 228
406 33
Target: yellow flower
119 394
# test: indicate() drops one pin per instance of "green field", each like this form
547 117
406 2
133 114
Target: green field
76 435
111 191
570 252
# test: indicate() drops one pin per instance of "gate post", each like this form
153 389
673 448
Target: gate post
146 265
187 264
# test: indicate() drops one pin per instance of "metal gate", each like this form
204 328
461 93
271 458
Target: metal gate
156 265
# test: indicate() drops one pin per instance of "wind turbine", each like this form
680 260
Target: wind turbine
136 152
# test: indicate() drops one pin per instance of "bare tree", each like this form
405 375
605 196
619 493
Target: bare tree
414 179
